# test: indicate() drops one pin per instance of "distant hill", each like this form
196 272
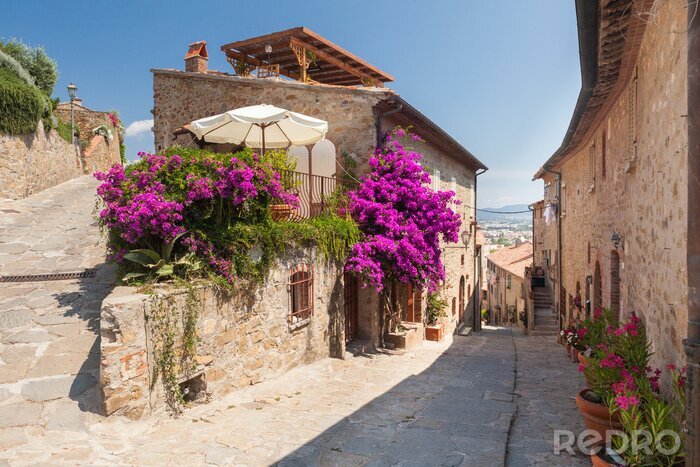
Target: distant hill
488 216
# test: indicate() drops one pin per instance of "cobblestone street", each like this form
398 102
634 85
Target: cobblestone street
491 398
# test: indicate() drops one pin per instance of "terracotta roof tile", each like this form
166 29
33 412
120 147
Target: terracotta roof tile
513 259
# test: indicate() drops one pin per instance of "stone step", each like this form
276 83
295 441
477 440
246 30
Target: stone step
538 332
539 327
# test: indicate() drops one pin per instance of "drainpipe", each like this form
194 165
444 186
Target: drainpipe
529 291
560 274
692 342
476 314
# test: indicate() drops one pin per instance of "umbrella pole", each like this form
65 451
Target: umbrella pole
262 128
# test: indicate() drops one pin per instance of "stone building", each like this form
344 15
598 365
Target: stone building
612 227
349 94
506 283
98 151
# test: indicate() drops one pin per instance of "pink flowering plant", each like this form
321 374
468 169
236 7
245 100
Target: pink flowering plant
206 207
621 352
619 374
650 419
402 220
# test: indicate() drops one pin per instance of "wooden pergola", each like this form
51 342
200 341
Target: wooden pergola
301 54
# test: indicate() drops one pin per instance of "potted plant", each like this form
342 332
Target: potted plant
623 353
278 161
435 313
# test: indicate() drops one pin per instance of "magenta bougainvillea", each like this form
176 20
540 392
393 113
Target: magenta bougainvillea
401 218
198 196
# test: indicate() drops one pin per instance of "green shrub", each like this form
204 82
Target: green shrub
8 62
63 130
34 60
21 105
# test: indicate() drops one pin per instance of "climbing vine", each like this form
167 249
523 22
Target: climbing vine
174 342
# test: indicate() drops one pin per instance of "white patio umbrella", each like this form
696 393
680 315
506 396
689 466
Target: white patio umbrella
260 126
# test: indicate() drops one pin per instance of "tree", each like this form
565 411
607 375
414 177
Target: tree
402 220
35 61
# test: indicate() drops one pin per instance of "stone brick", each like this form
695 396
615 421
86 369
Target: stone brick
639 197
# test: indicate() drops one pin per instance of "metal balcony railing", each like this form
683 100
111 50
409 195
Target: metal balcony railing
317 194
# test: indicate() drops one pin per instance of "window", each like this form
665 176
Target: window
556 188
602 156
436 180
301 290
510 281
591 164
462 260
453 184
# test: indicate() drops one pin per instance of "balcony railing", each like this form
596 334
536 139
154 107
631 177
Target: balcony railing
317 194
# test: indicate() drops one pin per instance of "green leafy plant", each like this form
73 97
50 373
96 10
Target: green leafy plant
435 308
159 266
21 105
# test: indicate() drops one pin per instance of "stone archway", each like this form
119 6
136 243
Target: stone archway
597 287
615 283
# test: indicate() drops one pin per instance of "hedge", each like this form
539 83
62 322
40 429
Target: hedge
21 106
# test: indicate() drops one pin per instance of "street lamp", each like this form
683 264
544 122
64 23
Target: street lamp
72 90
73 94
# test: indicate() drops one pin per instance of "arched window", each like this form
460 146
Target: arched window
301 292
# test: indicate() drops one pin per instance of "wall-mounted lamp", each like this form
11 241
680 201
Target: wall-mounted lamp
589 280
466 235
617 240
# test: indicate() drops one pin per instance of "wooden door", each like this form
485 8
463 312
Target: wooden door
461 298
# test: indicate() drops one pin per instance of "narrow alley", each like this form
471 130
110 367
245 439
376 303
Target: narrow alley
491 398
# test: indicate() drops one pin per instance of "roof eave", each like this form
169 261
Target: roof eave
587 13
408 110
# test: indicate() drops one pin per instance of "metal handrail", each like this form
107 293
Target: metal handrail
317 194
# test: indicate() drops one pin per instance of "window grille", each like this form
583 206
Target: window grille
301 292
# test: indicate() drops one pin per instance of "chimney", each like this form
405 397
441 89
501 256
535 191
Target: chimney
197 59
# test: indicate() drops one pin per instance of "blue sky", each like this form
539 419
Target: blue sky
501 76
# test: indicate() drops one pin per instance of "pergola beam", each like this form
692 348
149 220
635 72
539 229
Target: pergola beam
326 57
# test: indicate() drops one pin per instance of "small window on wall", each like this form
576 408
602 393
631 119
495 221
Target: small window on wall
509 282
603 168
436 180
591 164
301 290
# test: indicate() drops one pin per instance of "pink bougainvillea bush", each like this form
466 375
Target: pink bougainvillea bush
402 219
214 206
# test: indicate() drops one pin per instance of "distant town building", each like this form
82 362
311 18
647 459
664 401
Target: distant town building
505 274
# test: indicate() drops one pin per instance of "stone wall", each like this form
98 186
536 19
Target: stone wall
642 196
31 163
504 297
180 97
98 153
243 338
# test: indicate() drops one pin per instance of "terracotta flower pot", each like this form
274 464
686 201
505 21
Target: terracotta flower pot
583 360
596 417
574 355
435 333
598 462
568 350
280 212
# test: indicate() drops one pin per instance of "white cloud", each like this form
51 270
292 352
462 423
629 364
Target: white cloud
139 128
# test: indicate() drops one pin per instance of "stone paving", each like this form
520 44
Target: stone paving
49 343
492 398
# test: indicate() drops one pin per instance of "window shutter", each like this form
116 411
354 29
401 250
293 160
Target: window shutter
436 180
